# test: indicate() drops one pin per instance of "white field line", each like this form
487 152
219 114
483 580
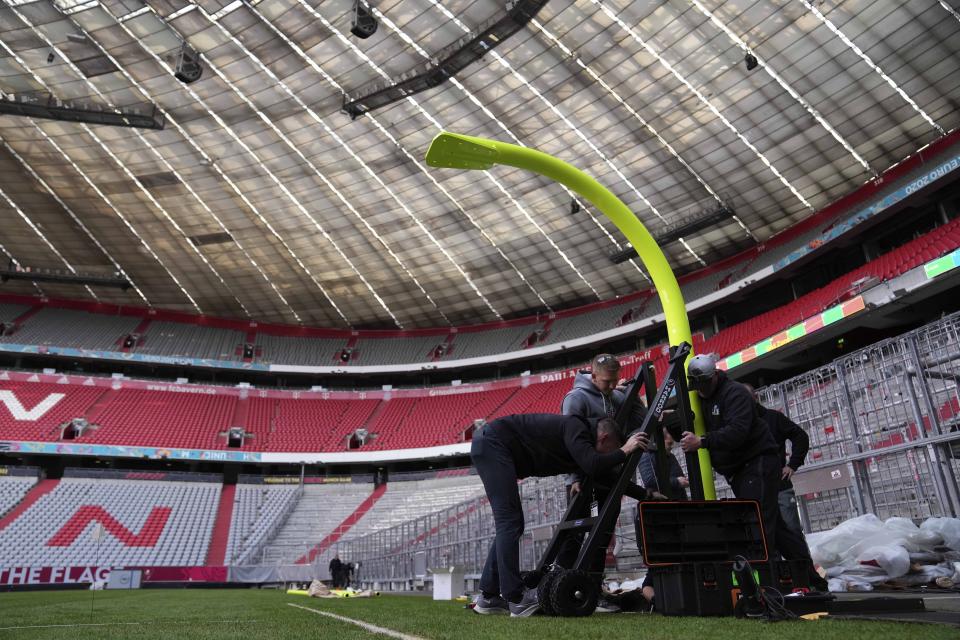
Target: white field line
119 624
365 625
71 626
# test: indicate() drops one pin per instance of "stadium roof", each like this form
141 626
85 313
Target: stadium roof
260 198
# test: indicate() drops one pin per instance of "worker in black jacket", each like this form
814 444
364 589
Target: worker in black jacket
741 447
785 430
791 541
336 571
519 446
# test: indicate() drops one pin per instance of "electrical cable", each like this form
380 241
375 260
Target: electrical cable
758 601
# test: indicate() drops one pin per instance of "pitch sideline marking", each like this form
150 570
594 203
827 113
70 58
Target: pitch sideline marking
117 624
79 624
360 623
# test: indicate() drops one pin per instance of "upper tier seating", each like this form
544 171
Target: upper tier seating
584 324
76 329
314 425
143 418
430 421
536 398
474 344
178 339
916 252
10 312
370 351
42 408
59 327
300 350
146 523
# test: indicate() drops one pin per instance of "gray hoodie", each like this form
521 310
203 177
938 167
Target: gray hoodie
586 401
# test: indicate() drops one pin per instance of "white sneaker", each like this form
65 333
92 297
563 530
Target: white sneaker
490 606
527 606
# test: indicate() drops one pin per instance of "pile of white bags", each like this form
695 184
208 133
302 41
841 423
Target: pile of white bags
865 553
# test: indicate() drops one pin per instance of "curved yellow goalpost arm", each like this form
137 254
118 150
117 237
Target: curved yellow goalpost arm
457 151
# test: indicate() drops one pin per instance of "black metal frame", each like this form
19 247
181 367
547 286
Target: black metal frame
674 380
48 107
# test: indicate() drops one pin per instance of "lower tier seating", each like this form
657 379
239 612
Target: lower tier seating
144 523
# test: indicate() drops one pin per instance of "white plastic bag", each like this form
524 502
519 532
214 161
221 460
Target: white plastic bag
893 559
834 547
947 528
915 537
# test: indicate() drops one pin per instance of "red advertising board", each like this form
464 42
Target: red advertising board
52 575
22 576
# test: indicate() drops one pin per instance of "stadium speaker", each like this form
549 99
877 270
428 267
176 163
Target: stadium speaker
188 67
751 61
364 24
235 437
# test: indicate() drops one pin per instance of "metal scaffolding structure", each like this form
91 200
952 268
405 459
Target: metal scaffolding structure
884 439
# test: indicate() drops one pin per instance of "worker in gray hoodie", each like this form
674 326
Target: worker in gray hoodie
595 395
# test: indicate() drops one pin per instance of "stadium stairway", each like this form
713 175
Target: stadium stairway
372 419
221 527
240 413
139 330
38 490
447 347
344 527
26 315
99 404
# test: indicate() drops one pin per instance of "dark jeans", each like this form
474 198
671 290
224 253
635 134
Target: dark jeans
788 509
759 479
494 464
570 548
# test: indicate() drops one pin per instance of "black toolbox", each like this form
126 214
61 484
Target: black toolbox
693 589
689 548
711 588
700 531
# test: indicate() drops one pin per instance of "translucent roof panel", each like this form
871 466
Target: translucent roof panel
260 198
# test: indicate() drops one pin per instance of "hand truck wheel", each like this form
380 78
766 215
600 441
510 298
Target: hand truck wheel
574 594
543 592
531 579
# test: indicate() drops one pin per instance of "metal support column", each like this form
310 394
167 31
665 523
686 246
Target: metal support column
862 497
945 484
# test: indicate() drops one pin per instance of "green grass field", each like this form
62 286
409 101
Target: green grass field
253 614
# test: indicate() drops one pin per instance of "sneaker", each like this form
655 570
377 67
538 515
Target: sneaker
526 607
605 606
490 606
